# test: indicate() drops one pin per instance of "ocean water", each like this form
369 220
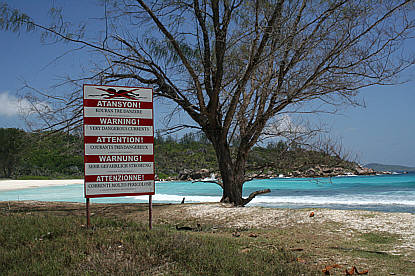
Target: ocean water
387 193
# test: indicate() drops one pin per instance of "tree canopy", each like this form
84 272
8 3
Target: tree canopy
11 143
28 154
236 66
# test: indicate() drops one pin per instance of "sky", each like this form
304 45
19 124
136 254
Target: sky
382 132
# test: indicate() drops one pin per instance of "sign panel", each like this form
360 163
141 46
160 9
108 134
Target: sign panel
119 141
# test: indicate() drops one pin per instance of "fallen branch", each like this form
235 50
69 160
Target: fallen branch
359 250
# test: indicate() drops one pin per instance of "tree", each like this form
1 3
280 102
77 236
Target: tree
235 66
11 144
52 154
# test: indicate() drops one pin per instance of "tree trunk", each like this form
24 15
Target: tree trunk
8 170
232 192
233 175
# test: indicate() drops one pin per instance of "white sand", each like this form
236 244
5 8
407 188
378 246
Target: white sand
362 221
6 185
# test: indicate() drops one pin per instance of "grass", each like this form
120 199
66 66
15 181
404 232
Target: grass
37 243
47 238
379 238
321 245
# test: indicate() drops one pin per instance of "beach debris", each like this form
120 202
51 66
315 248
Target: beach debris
252 235
327 268
188 228
245 250
300 260
296 249
311 214
354 270
236 234
349 272
48 235
184 228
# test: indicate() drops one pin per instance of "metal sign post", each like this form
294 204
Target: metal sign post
150 212
88 214
118 142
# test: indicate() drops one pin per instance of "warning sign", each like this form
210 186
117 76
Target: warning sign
119 141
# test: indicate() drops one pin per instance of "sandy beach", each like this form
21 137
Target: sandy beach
347 222
6 185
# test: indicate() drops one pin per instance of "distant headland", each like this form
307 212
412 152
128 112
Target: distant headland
391 168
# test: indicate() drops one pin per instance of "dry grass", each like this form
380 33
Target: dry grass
383 243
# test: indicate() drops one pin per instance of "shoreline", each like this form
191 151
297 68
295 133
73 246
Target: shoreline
16 190
10 184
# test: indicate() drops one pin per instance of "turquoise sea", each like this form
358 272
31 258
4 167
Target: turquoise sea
387 193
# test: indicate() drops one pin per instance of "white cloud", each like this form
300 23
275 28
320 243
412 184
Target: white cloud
12 106
284 124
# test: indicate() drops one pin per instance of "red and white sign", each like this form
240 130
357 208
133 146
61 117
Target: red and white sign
119 141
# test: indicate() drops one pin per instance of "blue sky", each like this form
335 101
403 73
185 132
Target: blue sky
383 132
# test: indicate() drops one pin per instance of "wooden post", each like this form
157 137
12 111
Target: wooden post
88 220
150 212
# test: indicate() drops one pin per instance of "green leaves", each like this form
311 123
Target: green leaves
54 155
39 155
14 20
11 145
163 50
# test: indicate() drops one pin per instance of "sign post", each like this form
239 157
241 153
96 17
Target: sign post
118 142
150 212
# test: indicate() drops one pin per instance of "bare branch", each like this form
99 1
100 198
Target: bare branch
179 52
253 195
209 181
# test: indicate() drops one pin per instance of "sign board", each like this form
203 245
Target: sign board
118 141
